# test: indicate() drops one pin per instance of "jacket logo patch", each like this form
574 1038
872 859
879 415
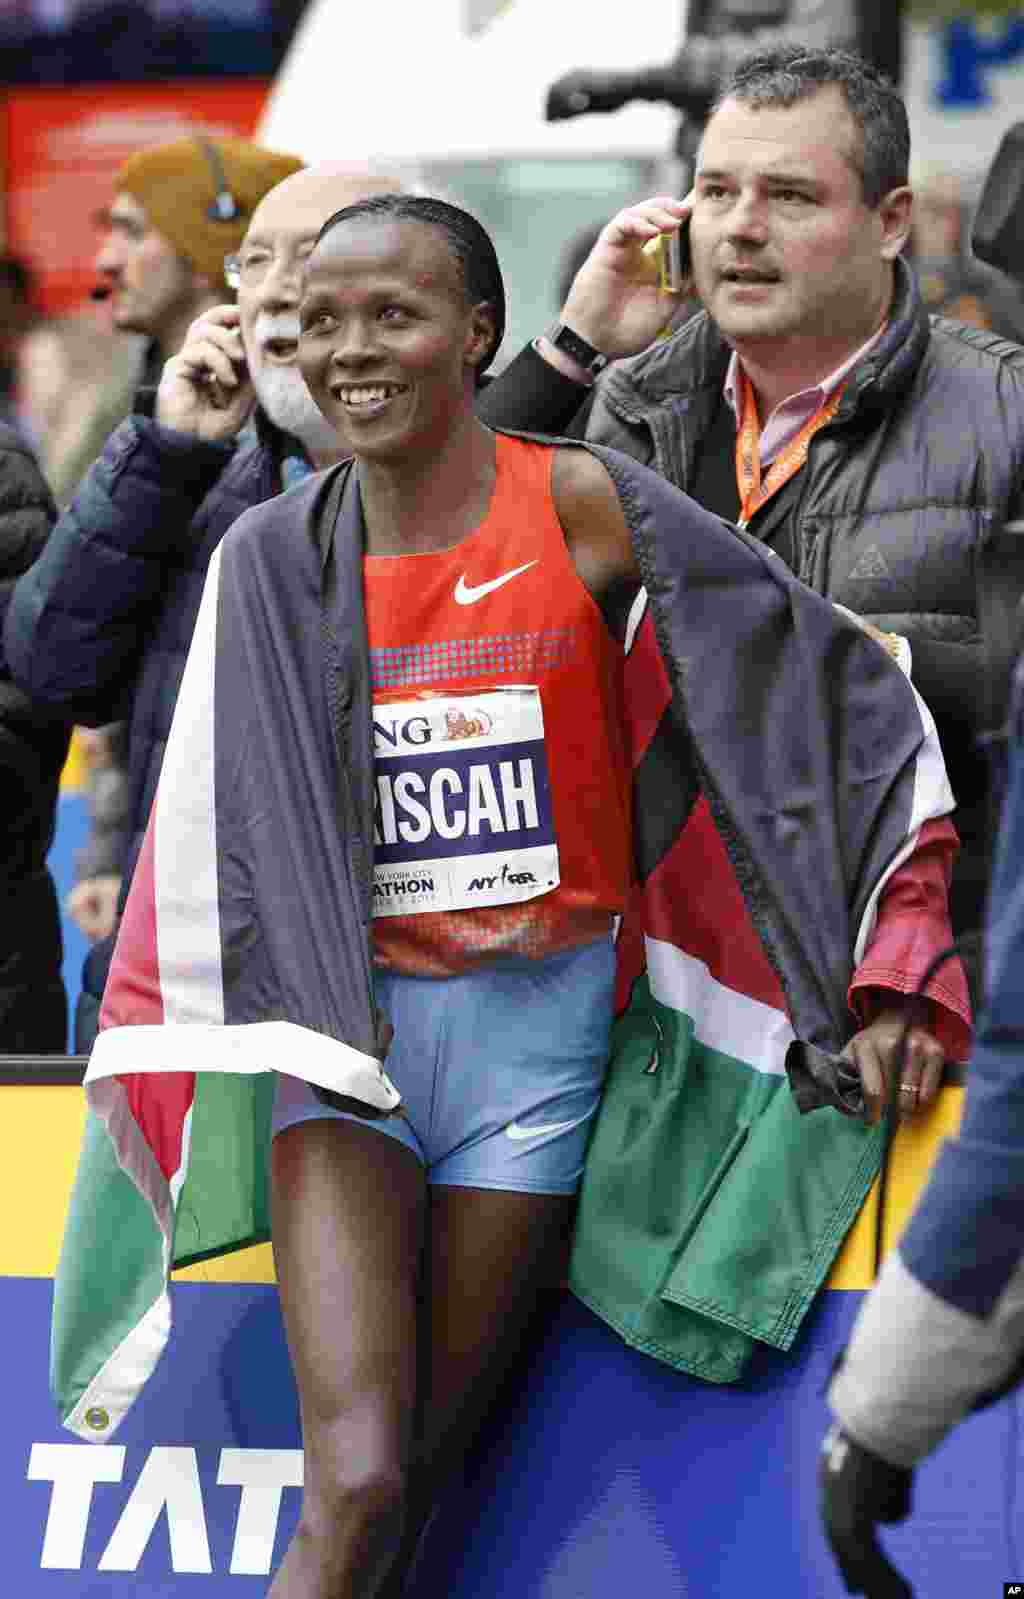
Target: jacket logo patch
872 564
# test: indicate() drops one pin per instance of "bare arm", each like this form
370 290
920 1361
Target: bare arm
596 533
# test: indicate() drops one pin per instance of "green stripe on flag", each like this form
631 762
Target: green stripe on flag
110 1271
711 1210
224 1201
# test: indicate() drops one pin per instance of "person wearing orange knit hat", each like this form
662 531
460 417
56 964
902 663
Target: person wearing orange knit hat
178 210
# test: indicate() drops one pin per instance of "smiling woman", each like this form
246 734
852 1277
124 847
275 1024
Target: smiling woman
501 855
403 308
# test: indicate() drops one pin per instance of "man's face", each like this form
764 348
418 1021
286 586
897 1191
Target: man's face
273 257
783 242
152 286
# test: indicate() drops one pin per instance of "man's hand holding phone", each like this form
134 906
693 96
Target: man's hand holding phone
622 296
205 389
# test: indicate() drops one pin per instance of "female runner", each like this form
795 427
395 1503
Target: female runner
498 576
498 580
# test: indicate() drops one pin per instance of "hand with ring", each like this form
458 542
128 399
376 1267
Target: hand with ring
875 1051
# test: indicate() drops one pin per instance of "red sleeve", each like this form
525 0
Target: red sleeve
912 926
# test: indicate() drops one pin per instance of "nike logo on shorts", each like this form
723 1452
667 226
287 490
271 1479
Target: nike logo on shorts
467 595
514 1130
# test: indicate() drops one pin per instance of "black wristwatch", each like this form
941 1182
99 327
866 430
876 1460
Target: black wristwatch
572 344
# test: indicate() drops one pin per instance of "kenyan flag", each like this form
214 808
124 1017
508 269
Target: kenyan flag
180 1083
711 1210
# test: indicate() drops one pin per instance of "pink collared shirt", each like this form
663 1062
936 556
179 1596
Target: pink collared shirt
790 414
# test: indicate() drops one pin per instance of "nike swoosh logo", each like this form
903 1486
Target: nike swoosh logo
515 1131
465 595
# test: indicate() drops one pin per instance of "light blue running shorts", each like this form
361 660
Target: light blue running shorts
500 1070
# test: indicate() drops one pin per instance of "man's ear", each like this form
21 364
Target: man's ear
894 212
481 333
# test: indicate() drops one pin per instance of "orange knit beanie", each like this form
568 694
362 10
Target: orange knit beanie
200 193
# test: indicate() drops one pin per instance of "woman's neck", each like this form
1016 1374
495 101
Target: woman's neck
434 502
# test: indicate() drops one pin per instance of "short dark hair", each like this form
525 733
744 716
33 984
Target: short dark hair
789 73
467 239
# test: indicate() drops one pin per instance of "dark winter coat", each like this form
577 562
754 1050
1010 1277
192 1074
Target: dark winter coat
100 626
33 747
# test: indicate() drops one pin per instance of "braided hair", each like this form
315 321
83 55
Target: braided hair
468 242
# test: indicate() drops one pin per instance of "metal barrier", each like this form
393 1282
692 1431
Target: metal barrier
52 1070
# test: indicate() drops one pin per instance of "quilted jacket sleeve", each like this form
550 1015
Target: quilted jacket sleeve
80 616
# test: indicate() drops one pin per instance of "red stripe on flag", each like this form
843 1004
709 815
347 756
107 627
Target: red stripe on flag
159 1102
132 996
692 900
647 690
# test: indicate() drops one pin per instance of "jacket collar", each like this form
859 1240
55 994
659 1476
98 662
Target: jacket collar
889 369
273 438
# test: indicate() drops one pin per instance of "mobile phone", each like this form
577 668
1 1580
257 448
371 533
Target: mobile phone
674 259
220 397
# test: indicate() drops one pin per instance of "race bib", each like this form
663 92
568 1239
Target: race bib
462 803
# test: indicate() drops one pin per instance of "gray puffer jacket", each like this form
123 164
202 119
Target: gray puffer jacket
925 455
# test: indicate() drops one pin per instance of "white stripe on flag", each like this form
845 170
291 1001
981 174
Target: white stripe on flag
932 797
245 1049
185 837
636 616
177 1182
723 1019
117 1384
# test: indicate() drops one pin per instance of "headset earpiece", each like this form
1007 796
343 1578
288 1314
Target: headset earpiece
223 207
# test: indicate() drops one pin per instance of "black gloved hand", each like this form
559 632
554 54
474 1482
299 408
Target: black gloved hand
857 1491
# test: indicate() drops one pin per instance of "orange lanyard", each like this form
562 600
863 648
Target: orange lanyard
753 489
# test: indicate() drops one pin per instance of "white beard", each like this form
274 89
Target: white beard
283 394
282 391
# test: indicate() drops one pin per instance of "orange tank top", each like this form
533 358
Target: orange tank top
502 822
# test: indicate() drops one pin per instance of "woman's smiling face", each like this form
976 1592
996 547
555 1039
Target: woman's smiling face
388 341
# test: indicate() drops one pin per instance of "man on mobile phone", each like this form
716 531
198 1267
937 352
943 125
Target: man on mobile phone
100 626
813 400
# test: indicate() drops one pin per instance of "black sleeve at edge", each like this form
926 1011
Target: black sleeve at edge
531 396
